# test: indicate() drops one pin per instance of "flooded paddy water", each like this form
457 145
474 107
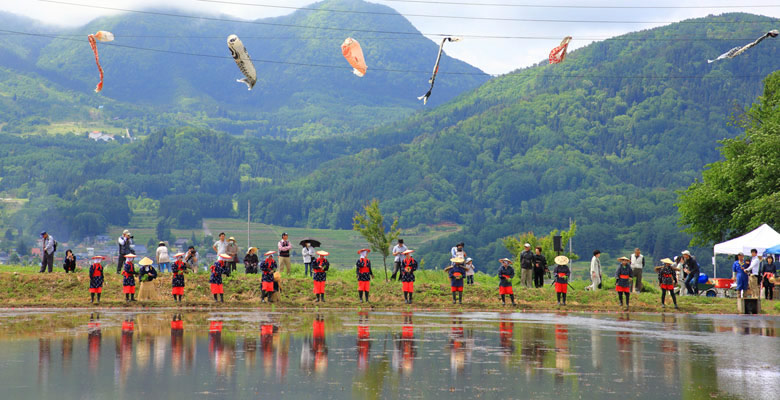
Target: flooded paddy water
167 354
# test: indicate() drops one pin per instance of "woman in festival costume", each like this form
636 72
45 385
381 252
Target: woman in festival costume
128 277
561 274
251 261
505 275
219 268
456 272
268 266
623 277
177 282
96 278
146 276
667 278
319 269
408 267
364 273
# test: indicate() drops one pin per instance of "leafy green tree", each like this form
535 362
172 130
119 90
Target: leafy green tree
163 230
516 244
22 248
372 227
742 191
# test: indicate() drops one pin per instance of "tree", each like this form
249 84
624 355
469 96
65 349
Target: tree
516 244
22 248
742 191
372 227
163 230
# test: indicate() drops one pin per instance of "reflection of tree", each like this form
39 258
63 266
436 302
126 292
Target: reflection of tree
67 353
44 359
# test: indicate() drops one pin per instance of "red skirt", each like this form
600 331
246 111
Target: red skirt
128 289
364 286
319 287
268 286
216 288
623 289
407 286
96 290
457 288
505 290
177 291
667 287
561 287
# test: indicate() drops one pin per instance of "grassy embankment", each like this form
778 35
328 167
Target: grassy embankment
23 287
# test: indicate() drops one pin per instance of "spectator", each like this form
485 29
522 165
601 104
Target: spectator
162 257
398 251
125 247
768 271
308 258
595 271
191 259
47 251
470 270
692 267
232 250
69 262
739 268
457 251
637 263
540 267
527 266
753 270
220 246
284 254
681 274
251 261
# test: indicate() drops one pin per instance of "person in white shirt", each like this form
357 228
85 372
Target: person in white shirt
755 266
398 251
308 257
162 257
637 263
220 246
595 271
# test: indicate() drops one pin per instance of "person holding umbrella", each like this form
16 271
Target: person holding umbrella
307 251
319 269
364 273
561 274
268 266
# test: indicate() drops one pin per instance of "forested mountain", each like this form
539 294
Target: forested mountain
288 100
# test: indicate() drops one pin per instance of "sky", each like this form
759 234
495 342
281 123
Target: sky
494 56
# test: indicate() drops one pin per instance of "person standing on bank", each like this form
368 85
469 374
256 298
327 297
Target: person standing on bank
595 271
251 261
319 270
740 274
268 266
162 257
218 269
768 271
146 276
408 267
470 271
69 264
284 247
125 243
232 250
458 251
561 273
191 259
540 267
623 280
364 273
308 254
667 279
505 275
398 255
177 280
48 247
692 269
456 272
220 246
527 266
637 263
128 277
96 278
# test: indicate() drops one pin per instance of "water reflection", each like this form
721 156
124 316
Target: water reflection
381 355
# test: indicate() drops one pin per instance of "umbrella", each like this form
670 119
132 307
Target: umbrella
314 242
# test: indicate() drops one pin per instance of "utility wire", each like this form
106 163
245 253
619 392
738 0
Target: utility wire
576 6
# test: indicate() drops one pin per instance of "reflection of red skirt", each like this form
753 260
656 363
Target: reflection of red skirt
216 288
177 290
505 290
623 289
407 286
319 287
96 290
667 287
268 286
457 288
128 289
561 287
364 286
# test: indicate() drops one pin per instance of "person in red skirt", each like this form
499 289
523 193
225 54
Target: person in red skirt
319 269
408 267
219 268
364 273
623 277
96 278
667 278
268 267
128 278
561 274
505 275
177 280
456 272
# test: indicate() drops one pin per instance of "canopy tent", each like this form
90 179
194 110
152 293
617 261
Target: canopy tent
760 239
774 250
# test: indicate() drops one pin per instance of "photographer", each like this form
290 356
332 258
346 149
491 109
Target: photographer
125 243
191 259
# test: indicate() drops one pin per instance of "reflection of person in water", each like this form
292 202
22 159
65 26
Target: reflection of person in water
562 358
405 348
267 346
363 341
67 353
94 336
124 350
319 347
44 358
460 347
216 348
506 339
177 342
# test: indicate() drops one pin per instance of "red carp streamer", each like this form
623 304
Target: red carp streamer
558 54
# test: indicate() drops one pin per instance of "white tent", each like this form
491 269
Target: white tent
760 239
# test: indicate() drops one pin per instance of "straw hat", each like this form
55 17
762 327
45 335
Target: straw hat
178 255
225 256
322 253
667 261
269 253
231 239
623 259
362 250
408 252
161 242
146 261
506 260
277 276
130 255
457 260
561 260
98 258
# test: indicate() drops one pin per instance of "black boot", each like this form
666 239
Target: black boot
322 297
564 298
91 297
221 298
127 297
98 296
215 297
628 301
360 294
460 297
512 297
620 296
674 299
558 296
410 297
132 296
503 299
454 297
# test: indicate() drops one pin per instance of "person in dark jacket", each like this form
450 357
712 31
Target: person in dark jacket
408 267
692 269
667 279
456 272
219 268
128 277
125 243
69 264
96 278
540 267
561 273
268 266
527 266
768 271
623 277
319 270
364 273
178 269
505 275
251 261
